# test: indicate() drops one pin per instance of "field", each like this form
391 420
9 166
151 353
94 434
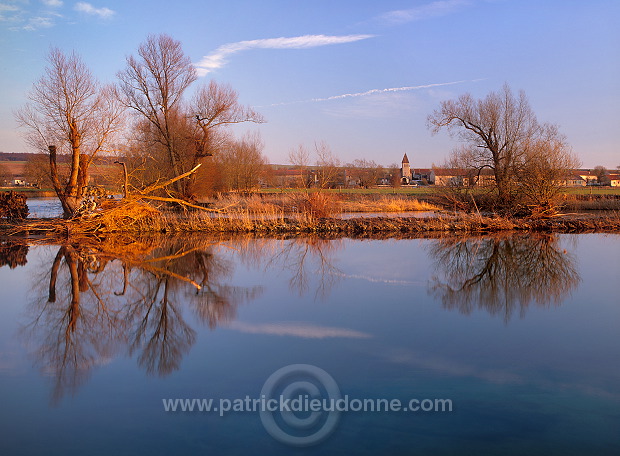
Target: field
363 191
12 168
593 191
431 190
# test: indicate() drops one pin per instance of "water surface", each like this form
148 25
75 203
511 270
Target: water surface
519 332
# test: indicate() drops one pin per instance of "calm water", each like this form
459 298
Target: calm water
44 207
519 333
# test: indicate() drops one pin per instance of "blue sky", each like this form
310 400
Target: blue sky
360 75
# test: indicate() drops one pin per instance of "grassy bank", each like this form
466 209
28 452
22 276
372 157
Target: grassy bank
431 189
369 200
31 192
332 202
294 213
146 220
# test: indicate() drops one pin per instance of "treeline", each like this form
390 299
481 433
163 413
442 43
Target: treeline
145 117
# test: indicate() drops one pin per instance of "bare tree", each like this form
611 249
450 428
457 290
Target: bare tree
547 166
327 165
69 112
393 171
4 174
300 158
365 172
458 189
601 175
212 109
501 133
152 85
37 170
215 106
243 164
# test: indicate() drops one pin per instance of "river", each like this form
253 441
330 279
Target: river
502 344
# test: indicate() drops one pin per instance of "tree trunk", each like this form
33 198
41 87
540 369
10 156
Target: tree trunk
69 202
83 176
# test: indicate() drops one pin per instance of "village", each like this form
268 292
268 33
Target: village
16 172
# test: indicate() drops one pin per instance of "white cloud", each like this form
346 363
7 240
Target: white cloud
217 58
434 9
9 13
38 22
373 92
87 8
29 19
53 3
8 8
302 330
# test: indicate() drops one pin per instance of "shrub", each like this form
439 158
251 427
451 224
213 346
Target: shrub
317 204
13 205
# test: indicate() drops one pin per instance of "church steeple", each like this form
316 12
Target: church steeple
405 171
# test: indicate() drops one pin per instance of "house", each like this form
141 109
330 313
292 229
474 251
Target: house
287 176
587 175
422 174
460 177
448 177
614 180
573 180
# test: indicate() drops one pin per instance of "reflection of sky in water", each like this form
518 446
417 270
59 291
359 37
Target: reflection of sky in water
44 207
365 311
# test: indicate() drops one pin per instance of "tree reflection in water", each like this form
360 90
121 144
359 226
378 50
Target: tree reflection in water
310 257
100 297
501 274
13 253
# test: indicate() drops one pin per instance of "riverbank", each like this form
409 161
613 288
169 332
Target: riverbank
354 227
31 192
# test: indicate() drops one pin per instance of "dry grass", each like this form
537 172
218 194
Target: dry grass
144 222
316 204
301 212
591 203
387 203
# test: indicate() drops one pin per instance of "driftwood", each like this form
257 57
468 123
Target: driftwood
144 194
133 213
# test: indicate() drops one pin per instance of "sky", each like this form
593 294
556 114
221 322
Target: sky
359 75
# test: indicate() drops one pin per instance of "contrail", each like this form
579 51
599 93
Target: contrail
369 92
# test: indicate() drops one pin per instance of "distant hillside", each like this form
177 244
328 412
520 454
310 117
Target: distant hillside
62 158
8 156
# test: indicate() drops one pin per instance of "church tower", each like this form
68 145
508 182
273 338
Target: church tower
405 170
